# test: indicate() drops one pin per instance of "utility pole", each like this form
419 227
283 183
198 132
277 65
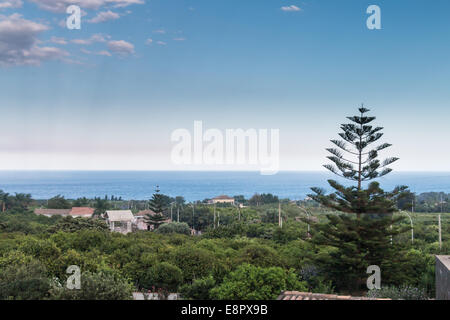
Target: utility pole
214 215
178 214
171 215
412 227
193 227
440 233
439 223
280 222
308 216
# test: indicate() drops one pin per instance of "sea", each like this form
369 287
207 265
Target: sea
195 185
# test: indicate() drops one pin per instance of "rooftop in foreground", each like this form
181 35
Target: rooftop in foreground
296 295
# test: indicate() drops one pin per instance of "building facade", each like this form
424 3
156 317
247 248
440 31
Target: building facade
442 277
222 199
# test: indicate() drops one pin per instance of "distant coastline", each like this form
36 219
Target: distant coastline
194 185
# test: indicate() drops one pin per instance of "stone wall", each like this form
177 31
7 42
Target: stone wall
443 277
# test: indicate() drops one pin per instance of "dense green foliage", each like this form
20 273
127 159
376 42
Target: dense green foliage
27 281
174 227
100 205
425 202
197 265
162 275
69 224
199 289
250 282
95 286
58 202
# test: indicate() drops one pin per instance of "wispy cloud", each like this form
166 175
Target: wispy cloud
104 16
10 4
149 41
121 47
179 39
104 53
160 31
161 43
290 8
94 38
61 5
99 53
58 40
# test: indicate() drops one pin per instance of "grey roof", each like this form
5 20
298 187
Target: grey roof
445 260
119 215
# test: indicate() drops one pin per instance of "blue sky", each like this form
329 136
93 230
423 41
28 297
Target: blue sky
106 97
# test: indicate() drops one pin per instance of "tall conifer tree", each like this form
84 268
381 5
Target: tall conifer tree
358 242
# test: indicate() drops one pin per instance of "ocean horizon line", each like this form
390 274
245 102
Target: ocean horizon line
165 170
196 185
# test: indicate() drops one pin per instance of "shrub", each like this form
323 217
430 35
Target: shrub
249 282
162 275
399 293
24 282
260 255
96 286
174 227
70 224
199 289
195 262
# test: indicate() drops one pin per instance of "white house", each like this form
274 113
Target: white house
222 199
120 220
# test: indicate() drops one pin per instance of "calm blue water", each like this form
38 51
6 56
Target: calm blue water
193 185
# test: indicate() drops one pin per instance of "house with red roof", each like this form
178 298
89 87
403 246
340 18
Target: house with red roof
84 212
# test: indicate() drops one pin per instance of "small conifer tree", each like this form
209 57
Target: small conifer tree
157 205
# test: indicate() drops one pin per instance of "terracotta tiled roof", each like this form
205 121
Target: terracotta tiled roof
223 197
81 211
145 212
51 212
296 295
